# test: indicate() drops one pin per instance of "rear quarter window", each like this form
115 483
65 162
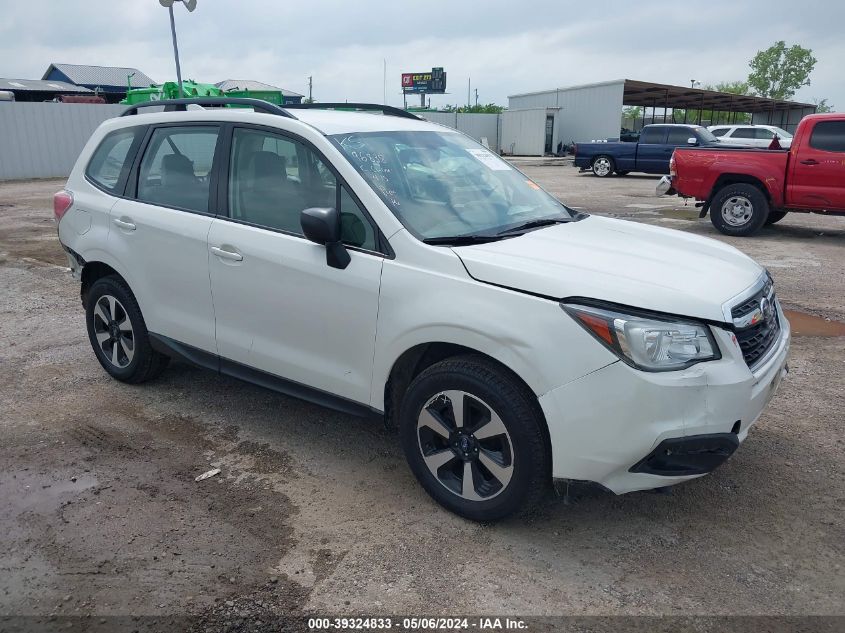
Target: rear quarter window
653 135
109 165
828 136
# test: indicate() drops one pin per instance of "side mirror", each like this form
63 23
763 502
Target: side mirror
322 226
692 141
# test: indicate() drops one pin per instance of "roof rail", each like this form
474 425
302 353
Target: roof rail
363 107
181 105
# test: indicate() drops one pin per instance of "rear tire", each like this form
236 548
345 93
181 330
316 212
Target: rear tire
603 166
118 333
489 460
739 210
775 217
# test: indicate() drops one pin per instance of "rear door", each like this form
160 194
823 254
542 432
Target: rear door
818 168
652 152
160 228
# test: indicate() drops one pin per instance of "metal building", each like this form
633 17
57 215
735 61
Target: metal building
594 112
109 82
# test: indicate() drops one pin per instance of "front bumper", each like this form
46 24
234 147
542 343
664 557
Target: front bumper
609 426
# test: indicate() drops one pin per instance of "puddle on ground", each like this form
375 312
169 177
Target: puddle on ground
27 491
804 324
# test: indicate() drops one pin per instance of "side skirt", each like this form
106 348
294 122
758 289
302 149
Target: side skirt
207 360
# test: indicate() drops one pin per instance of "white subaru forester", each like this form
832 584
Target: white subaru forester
380 264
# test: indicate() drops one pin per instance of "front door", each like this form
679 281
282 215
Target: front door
818 168
279 307
159 233
652 152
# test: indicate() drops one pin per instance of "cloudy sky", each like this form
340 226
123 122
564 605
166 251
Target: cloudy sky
504 47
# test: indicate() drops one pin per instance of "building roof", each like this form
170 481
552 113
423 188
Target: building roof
649 94
100 75
249 84
39 85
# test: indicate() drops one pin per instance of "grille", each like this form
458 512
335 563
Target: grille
757 339
752 303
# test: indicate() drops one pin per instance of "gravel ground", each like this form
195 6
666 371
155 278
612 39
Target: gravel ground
316 512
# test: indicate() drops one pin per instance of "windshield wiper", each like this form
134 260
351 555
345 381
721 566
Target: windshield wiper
534 224
461 240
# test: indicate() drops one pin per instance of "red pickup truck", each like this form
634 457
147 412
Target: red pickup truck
745 189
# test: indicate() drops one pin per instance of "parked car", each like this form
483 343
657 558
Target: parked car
650 154
751 135
746 189
383 265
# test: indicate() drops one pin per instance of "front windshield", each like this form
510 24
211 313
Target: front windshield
443 184
706 135
781 133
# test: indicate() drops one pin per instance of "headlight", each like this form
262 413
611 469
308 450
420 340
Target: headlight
647 343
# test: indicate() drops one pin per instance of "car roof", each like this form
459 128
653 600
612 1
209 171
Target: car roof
327 122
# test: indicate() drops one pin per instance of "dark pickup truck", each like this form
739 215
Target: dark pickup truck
650 155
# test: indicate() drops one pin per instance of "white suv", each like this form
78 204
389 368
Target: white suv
751 135
380 264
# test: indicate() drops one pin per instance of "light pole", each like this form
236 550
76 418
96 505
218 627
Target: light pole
190 5
693 83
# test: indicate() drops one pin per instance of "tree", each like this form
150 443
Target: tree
632 112
490 108
778 71
822 105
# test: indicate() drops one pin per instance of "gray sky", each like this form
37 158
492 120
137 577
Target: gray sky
505 47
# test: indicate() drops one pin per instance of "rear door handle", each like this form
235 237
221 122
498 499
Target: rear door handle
124 224
810 161
224 254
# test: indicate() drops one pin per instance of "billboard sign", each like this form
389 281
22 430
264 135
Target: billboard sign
432 82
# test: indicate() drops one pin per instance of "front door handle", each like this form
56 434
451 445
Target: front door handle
124 224
224 254
810 161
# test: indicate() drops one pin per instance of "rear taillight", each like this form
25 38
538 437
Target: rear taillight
62 200
672 171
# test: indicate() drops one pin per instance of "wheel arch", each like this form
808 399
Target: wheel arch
91 272
418 358
725 180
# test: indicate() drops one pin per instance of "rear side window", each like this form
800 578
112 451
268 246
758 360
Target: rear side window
743 132
720 131
111 161
176 167
828 136
653 135
762 133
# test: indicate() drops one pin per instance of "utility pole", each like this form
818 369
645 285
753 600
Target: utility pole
476 97
310 85
176 52
469 84
190 5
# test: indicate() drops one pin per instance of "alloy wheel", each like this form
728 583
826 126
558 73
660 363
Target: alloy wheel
601 167
737 211
113 331
465 445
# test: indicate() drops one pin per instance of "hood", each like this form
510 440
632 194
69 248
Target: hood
619 261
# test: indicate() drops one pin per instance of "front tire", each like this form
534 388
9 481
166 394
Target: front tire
475 439
739 210
118 333
603 166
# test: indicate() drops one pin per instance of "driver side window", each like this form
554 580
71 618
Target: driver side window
273 178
